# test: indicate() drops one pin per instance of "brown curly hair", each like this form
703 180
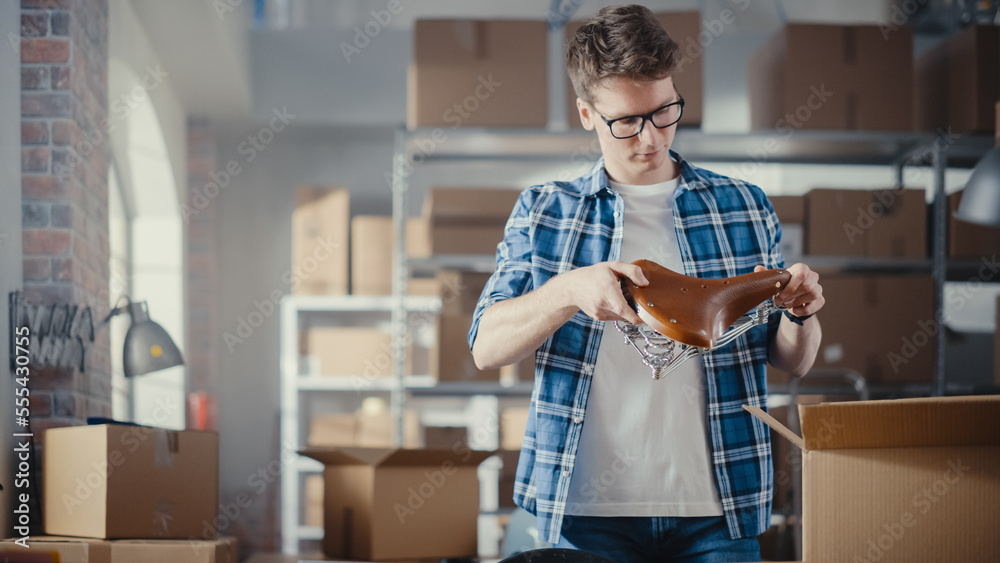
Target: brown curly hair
619 42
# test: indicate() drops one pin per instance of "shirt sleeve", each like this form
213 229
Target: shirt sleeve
512 277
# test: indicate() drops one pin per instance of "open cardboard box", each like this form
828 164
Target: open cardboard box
383 503
899 480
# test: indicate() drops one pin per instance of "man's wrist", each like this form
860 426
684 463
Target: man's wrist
795 319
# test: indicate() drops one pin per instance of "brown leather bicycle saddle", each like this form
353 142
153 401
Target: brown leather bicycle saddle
698 311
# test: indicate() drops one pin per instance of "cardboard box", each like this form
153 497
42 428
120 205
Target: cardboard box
791 212
513 422
468 220
69 550
361 429
314 501
351 351
521 371
957 83
508 477
221 550
817 76
122 481
684 28
899 480
478 73
889 223
371 253
391 504
882 326
451 359
446 437
460 291
319 241
970 241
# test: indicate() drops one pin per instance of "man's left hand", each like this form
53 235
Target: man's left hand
803 296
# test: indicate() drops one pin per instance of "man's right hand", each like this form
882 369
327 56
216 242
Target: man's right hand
596 290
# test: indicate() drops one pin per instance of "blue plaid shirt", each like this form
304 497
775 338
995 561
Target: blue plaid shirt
724 228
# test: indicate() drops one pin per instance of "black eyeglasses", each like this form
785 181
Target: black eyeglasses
631 125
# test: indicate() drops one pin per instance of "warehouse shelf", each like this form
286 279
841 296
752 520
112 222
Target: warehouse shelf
310 532
308 465
358 303
465 389
484 263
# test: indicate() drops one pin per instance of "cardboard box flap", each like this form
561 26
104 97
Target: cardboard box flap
921 422
469 206
395 457
775 425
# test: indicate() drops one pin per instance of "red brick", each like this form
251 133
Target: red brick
54 378
60 23
69 404
44 50
46 105
45 187
45 241
34 78
64 132
35 159
41 403
34 133
62 269
62 78
34 24
34 214
62 215
36 269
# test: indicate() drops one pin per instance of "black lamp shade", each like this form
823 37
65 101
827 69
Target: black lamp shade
148 347
981 198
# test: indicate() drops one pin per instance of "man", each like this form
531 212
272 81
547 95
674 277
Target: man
614 462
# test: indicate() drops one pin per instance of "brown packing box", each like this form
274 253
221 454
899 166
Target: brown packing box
452 360
446 437
882 326
513 421
351 351
221 550
791 212
888 223
482 73
817 76
371 253
319 241
782 460
508 476
468 220
362 429
684 28
969 240
521 371
121 481
957 82
69 550
392 504
899 480
314 501
460 291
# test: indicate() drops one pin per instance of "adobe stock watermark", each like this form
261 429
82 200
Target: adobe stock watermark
927 329
882 202
249 149
434 480
922 502
364 34
711 29
899 15
455 116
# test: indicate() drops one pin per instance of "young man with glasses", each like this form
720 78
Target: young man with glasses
613 462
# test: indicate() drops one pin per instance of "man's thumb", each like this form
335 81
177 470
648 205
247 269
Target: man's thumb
758 268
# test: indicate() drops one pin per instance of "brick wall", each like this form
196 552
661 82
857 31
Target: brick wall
64 164
201 267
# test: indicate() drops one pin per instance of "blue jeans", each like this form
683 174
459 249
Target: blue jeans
639 539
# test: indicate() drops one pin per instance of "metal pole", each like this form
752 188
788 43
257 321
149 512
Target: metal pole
939 155
400 270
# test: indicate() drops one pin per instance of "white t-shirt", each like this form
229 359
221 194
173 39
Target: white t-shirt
644 447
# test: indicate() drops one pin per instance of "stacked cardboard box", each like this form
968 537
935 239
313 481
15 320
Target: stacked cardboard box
84 550
812 76
314 501
957 83
969 241
901 480
392 504
371 254
452 360
467 220
791 212
481 73
508 477
685 29
123 481
362 429
889 223
319 241
513 421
